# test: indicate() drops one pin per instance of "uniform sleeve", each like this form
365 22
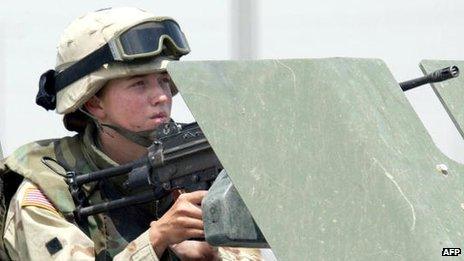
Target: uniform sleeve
34 230
139 249
240 254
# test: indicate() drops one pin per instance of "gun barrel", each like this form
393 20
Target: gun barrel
144 197
110 172
436 76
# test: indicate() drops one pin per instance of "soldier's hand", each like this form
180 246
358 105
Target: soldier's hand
181 222
195 250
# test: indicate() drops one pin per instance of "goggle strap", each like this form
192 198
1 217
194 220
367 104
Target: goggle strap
83 67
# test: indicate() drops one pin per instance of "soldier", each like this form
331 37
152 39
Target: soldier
111 85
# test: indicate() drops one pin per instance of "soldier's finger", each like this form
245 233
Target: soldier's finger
188 222
195 233
195 197
194 211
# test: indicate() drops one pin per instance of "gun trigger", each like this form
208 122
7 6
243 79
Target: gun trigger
176 193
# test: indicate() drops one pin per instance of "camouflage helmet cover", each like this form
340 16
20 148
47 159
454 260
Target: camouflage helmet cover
85 35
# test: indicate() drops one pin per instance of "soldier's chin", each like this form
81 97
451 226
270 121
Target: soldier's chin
161 120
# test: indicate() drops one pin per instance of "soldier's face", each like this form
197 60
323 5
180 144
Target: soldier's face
137 103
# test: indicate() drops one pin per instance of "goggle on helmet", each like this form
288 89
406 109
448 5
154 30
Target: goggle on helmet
144 40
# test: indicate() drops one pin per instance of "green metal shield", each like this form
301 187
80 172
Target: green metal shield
449 92
329 157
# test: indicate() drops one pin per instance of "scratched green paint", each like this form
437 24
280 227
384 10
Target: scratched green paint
329 157
450 92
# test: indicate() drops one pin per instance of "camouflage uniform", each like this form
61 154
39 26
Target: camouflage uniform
41 209
40 213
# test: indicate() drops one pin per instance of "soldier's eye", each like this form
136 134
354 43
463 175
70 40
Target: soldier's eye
164 82
138 84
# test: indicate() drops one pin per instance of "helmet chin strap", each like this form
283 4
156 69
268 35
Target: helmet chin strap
142 138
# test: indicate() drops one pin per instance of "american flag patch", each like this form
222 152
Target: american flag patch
35 197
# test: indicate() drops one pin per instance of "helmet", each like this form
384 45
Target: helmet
89 33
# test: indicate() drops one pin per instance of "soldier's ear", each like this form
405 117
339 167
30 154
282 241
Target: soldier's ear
95 107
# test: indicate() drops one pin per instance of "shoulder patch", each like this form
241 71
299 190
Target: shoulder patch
53 246
34 197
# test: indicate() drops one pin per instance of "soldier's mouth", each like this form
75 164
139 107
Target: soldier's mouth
160 117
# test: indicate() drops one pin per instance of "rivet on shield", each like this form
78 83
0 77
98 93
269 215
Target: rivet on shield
442 168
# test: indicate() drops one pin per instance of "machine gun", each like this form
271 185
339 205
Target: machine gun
180 158
436 76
